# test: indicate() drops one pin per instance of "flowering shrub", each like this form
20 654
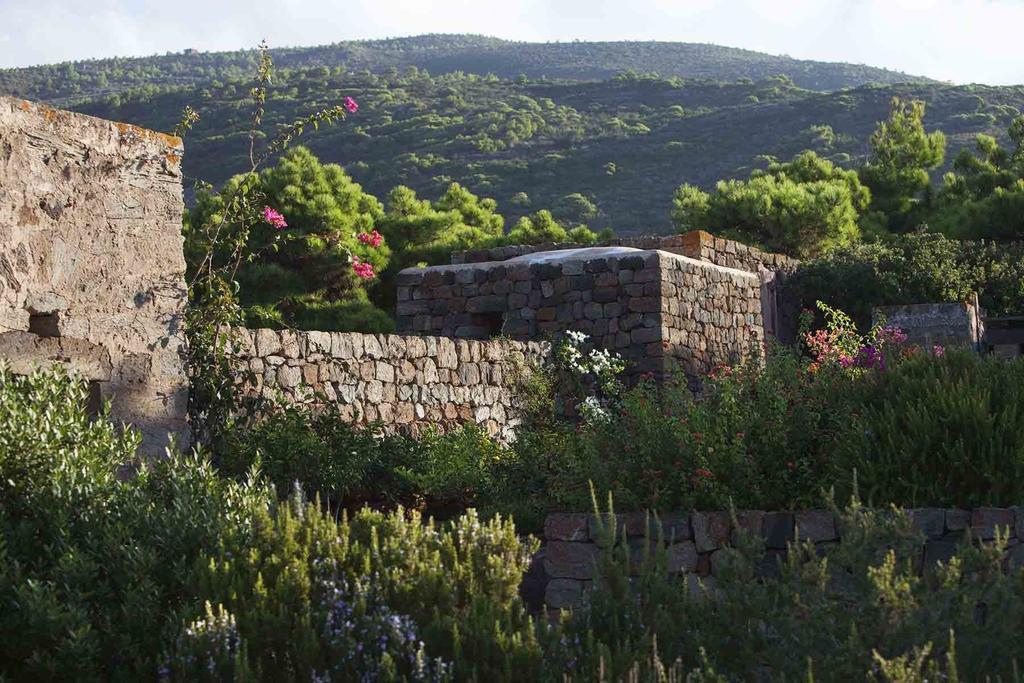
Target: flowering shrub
840 343
363 269
274 218
373 239
592 377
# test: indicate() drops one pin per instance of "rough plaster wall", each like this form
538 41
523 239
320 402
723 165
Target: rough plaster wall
406 383
957 324
90 230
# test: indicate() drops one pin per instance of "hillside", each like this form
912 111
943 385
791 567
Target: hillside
625 142
481 55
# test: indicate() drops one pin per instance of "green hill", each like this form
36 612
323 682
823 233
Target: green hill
624 141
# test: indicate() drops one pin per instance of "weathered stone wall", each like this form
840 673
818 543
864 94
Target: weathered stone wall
406 383
957 324
709 316
694 541
656 309
91 264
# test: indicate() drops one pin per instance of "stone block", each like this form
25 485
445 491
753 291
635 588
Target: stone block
682 557
710 530
569 560
929 521
984 522
815 525
957 520
566 527
563 593
779 528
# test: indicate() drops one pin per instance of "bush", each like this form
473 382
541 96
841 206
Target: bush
93 570
913 428
938 431
351 465
857 610
913 269
180 572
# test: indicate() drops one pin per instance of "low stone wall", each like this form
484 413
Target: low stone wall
950 324
405 383
694 541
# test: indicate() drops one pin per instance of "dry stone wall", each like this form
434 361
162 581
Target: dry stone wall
405 383
91 264
658 310
694 542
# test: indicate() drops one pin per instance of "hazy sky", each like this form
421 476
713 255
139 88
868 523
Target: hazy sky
958 40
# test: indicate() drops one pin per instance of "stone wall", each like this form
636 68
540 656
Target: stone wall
91 264
694 541
956 324
406 383
656 309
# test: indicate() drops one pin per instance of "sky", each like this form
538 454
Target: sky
963 41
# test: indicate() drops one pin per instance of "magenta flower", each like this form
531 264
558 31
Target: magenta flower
372 239
938 350
351 105
274 218
363 269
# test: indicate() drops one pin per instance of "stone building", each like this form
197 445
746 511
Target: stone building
690 302
91 263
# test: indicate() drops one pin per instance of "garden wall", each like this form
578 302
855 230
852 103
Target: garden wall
91 264
694 541
404 382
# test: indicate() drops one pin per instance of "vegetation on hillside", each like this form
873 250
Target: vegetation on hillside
622 144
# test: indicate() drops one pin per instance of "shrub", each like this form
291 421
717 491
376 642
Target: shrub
938 431
323 453
857 610
92 569
352 465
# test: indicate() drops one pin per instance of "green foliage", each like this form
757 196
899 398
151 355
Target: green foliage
938 431
983 197
545 137
302 274
349 466
855 611
802 207
902 156
93 570
911 269
182 573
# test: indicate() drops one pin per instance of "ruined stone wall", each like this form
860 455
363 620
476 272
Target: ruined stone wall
694 542
406 383
956 324
657 310
91 264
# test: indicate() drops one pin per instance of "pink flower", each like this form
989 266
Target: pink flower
274 218
938 350
372 239
363 269
351 105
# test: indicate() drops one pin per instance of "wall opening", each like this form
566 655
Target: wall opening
44 324
490 323
94 400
